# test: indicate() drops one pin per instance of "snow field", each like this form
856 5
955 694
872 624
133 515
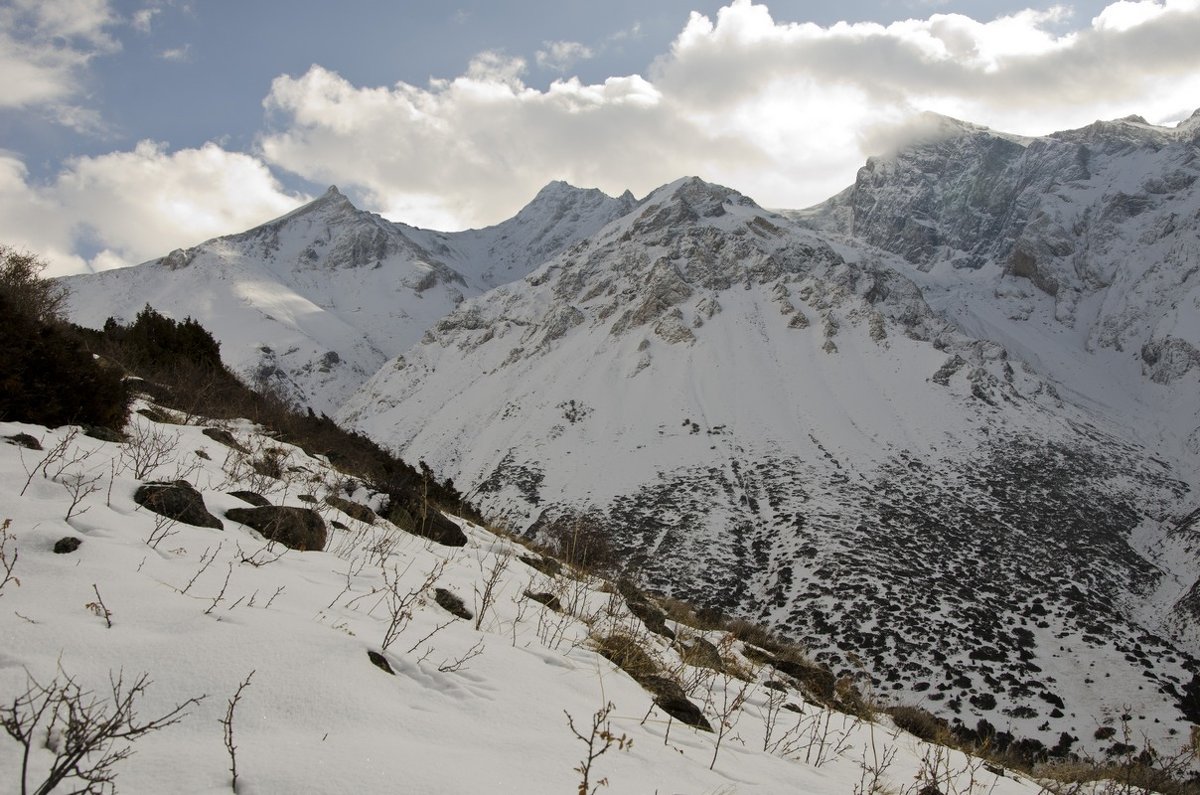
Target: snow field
468 710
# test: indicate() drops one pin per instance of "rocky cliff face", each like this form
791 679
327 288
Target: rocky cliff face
1103 220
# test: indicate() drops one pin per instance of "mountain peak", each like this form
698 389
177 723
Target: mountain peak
706 198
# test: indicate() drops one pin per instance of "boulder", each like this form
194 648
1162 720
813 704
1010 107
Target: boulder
428 523
355 510
548 599
222 436
295 528
66 545
251 497
178 501
24 440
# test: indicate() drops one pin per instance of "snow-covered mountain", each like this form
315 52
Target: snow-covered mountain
772 419
313 303
942 428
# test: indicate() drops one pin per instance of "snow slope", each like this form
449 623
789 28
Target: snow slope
203 610
313 303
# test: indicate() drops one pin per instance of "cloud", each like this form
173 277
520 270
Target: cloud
126 207
560 56
45 47
177 54
143 19
469 150
783 111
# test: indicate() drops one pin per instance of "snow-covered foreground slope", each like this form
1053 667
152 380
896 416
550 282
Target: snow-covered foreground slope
781 427
313 303
475 706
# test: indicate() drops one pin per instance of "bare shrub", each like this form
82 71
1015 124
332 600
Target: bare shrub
86 734
149 446
227 729
8 556
599 740
486 597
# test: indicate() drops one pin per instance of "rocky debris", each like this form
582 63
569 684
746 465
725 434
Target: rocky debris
295 528
178 500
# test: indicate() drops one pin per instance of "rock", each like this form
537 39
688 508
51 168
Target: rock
251 497
178 501
380 662
224 437
295 528
452 604
671 699
103 434
548 599
548 566
157 415
66 545
429 523
24 440
355 510
703 654
310 499
654 618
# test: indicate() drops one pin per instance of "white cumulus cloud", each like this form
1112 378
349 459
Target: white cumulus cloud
126 207
560 56
783 111
45 46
